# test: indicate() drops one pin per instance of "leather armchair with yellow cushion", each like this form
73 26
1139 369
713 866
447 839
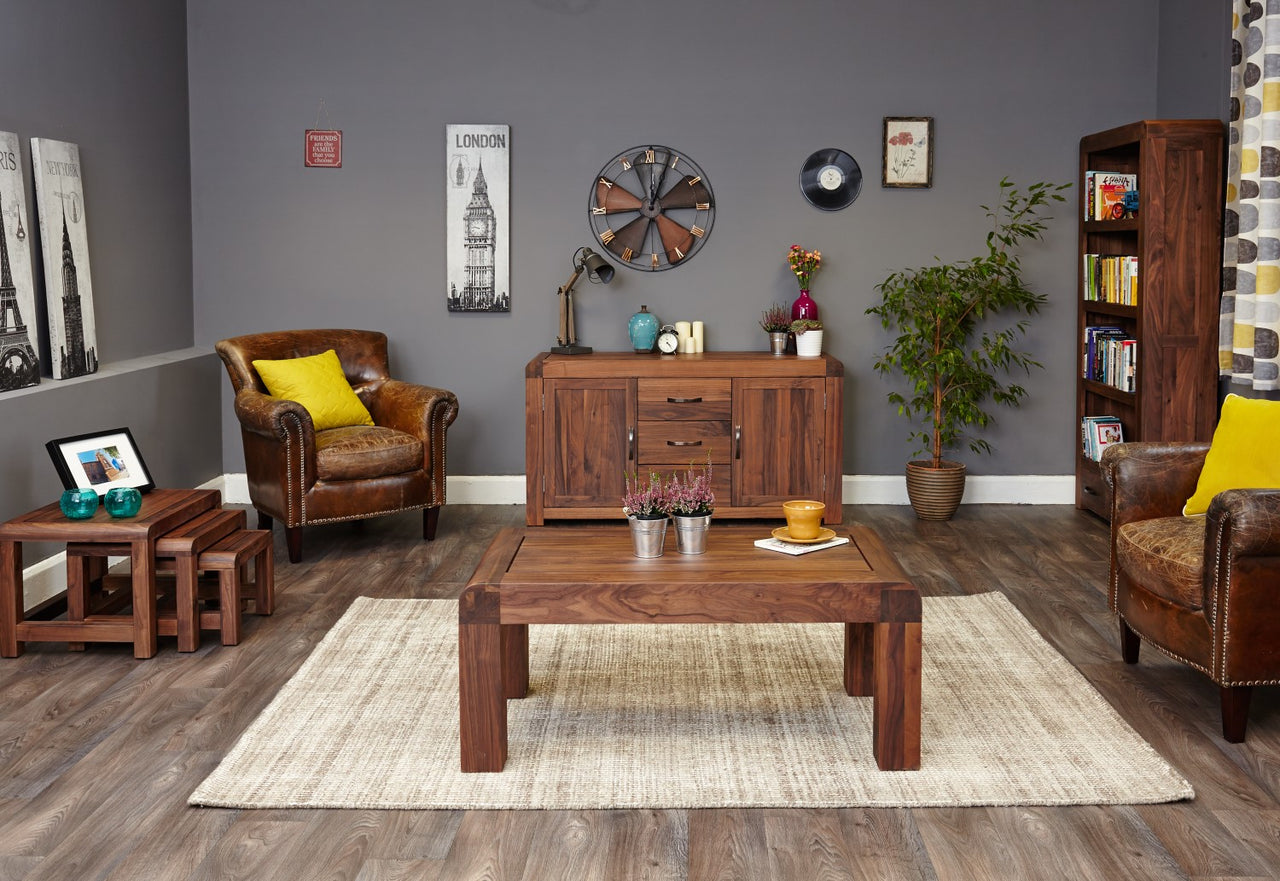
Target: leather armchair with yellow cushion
1205 589
302 476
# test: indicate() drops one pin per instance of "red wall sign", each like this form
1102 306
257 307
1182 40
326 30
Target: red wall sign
324 148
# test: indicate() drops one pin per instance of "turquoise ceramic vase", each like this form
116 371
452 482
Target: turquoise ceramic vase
123 501
643 330
79 503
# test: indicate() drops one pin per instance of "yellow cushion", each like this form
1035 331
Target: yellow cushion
1245 453
317 383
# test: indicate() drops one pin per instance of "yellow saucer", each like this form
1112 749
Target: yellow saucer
781 534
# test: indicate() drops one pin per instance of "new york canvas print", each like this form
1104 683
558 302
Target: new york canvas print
73 340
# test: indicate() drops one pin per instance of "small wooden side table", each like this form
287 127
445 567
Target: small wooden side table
162 510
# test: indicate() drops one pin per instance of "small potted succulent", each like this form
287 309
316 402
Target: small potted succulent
690 502
776 322
808 333
645 505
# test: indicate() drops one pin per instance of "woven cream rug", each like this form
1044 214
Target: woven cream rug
686 716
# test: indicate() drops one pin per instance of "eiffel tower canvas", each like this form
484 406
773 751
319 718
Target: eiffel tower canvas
19 361
68 289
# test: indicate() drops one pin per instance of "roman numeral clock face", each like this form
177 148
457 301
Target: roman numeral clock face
652 208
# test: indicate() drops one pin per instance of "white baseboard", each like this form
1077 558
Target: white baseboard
48 577
858 489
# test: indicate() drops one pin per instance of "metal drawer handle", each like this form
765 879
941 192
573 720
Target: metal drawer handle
684 443
737 442
631 442
684 400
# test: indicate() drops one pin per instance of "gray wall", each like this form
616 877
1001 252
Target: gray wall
748 89
112 77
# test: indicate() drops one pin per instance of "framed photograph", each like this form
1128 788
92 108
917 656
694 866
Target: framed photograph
103 460
908 152
478 218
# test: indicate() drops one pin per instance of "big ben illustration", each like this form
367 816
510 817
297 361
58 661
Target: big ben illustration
19 365
480 235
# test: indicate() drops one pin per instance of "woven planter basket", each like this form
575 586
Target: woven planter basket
935 493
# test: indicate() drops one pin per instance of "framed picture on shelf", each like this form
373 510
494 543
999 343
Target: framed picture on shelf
908 152
102 460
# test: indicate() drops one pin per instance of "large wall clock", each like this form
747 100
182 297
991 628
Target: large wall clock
651 207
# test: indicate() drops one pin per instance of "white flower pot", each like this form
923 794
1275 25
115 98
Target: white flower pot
809 343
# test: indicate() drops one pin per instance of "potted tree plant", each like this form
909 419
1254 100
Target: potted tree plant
950 351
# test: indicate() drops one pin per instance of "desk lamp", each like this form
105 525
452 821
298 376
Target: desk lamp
598 272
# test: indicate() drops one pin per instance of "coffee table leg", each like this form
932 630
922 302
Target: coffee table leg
896 696
859 659
143 567
515 660
11 600
482 708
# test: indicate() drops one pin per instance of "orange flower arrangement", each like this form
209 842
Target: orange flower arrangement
804 264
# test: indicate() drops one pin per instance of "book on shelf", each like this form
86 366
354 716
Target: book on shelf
1099 432
1105 194
1109 355
786 547
1110 279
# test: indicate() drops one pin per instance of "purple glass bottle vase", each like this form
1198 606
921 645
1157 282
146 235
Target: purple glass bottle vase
804 307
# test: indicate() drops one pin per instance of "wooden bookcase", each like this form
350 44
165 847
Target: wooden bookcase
772 427
1176 237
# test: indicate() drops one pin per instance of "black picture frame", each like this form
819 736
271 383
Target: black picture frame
101 460
907 158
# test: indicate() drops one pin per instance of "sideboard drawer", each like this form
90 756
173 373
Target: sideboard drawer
708 399
687 442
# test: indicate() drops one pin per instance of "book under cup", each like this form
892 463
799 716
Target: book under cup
785 547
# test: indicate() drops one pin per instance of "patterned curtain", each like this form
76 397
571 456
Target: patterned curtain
1249 327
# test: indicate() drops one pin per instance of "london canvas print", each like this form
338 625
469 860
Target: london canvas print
19 340
478 224
73 344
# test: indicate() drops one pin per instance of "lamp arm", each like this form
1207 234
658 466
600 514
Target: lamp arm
568 333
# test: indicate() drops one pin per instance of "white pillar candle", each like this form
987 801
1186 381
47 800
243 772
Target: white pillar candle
683 331
688 346
699 332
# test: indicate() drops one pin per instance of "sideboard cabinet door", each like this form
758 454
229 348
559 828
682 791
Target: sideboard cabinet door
588 442
778 440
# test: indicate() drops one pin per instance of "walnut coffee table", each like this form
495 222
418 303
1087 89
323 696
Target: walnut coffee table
588 575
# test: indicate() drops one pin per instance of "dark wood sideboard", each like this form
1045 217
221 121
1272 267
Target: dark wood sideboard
772 426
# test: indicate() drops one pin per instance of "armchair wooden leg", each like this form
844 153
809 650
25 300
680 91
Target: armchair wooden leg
1235 711
1130 643
293 539
430 519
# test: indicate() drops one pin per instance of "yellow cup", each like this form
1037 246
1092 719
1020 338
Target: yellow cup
804 518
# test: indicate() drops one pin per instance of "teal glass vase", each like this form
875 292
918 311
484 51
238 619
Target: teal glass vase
643 330
79 503
123 501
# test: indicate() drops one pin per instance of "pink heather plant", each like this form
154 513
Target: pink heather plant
691 497
644 502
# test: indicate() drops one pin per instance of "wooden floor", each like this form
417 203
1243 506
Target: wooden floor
98 751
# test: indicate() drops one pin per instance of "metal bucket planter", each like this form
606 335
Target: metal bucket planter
691 533
648 535
935 493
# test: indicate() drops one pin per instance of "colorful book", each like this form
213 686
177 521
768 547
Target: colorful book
1108 189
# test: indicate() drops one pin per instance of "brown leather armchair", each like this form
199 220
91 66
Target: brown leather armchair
300 476
1203 590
